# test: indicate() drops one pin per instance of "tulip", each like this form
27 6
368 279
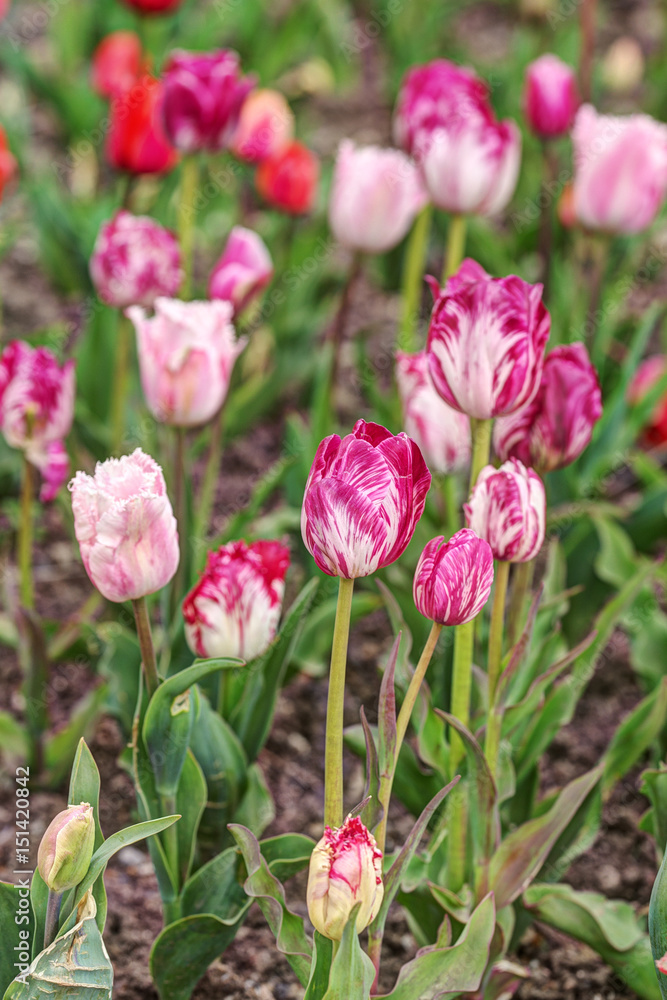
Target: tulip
233 610
37 409
649 373
8 165
486 342
125 527
553 429
507 508
117 63
441 432
203 96
243 270
661 964
345 870
453 578
186 354
623 65
550 96
266 125
154 6
288 179
136 141
620 177
364 496
135 260
66 848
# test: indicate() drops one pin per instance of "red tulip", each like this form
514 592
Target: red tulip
288 179
154 6
8 165
117 64
137 142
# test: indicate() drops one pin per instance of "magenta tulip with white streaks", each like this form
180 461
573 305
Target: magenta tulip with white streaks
364 496
442 433
550 96
556 426
243 271
486 342
507 508
135 260
453 578
125 527
235 607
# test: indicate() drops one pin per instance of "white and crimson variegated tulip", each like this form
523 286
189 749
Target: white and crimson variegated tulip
442 433
345 869
508 509
186 354
553 429
135 260
453 578
364 496
125 527
486 342
37 409
234 608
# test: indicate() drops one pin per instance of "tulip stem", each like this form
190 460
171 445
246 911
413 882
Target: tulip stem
460 708
456 242
146 645
481 447
521 581
186 220
333 762
52 915
449 493
119 387
25 537
337 334
493 723
180 512
587 23
207 492
413 275
171 838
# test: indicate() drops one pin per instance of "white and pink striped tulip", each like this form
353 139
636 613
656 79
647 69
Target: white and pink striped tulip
453 578
135 260
243 270
507 508
550 96
364 497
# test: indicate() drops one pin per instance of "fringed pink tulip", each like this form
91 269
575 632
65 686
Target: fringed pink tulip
486 342
345 870
135 261
441 432
125 527
364 496
620 177
453 578
375 196
117 63
186 354
203 96
243 271
235 607
553 429
550 96
507 508
266 125
37 409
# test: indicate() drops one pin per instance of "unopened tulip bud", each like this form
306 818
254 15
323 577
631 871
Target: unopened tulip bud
453 579
345 869
67 847
508 509
551 97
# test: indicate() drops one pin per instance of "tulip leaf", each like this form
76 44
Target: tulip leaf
261 885
436 972
190 803
39 895
634 736
372 811
387 714
523 852
149 807
287 854
320 969
184 950
12 932
13 736
256 809
654 787
84 786
215 888
352 972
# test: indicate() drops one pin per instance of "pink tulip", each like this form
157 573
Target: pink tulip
244 269
117 63
550 96
37 409
453 579
507 508
375 196
125 527
203 96
661 965
364 496
441 432
235 607
486 342
620 177
135 260
186 353
553 429
649 373
266 125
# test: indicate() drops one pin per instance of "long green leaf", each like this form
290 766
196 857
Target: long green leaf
352 972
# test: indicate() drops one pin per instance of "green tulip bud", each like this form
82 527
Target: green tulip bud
67 847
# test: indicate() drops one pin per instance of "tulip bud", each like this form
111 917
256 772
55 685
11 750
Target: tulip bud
288 179
453 579
508 509
266 125
117 63
623 65
551 97
154 6
136 141
234 608
364 496
135 260
650 371
67 847
244 269
345 869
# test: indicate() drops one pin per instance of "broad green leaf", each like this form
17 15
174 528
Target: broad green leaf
224 763
256 809
287 854
39 895
184 950
320 968
215 888
84 786
634 736
190 803
352 972
12 931
654 787
372 812
617 560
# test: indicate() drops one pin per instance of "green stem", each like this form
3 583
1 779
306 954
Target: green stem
171 838
456 242
460 707
452 513
496 629
521 581
413 274
186 220
211 473
25 537
146 645
337 334
119 385
52 914
481 447
333 762
180 512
